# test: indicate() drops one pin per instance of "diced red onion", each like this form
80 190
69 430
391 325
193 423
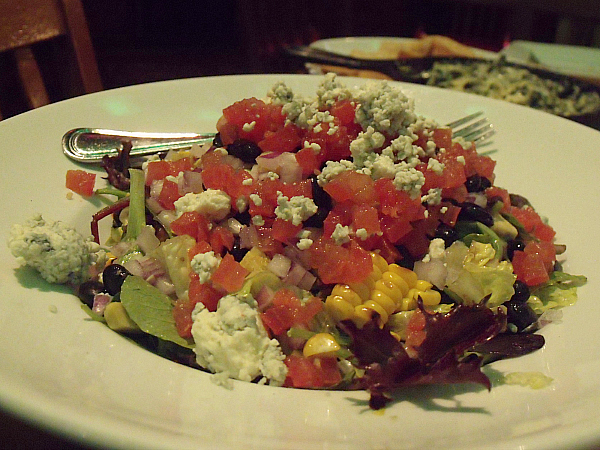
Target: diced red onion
192 182
295 274
284 164
101 299
151 267
307 281
280 265
248 237
264 297
433 271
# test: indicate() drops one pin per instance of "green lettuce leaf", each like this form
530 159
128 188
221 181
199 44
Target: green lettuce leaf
559 291
151 310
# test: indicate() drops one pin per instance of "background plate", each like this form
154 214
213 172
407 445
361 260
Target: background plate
74 376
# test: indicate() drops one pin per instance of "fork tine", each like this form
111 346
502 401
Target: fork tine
479 131
464 120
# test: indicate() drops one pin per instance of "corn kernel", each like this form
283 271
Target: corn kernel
338 308
362 315
392 285
320 344
430 297
423 285
408 275
384 301
379 309
362 290
379 261
344 291
408 304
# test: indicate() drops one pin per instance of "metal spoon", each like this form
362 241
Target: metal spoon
90 145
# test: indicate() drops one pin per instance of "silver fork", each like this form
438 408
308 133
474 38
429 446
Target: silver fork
473 128
90 145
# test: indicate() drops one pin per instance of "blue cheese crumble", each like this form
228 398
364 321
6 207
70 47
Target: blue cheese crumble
214 204
204 264
58 252
296 209
233 343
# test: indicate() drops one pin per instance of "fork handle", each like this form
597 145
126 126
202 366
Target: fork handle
90 145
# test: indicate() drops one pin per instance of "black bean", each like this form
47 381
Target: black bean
520 314
471 212
512 246
243 217
238 252
447 233
244 149
477 183
87 291
521 292
113 277
217 142
323 202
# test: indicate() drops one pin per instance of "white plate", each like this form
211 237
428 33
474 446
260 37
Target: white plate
346 45
570 60
74 376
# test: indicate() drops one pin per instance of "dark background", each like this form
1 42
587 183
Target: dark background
141 41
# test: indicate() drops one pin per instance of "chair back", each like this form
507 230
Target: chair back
33 32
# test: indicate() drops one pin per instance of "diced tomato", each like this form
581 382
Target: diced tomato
353 187
366 217
182 309
182 314
286 139
81 182
340 264
453 175
529 268
221 239
545 250
474 163
286 311
199 247
203 293
533 223
308 160
345 111
415 331
442 137
300 188
458 193
261 116
311 372
159 170
169 194
193 224
284 230
229 275
395 229
397 203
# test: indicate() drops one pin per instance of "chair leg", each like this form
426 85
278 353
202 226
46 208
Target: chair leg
31 77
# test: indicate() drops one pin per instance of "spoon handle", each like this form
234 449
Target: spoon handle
90 145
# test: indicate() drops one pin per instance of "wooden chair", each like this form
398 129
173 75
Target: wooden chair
34 30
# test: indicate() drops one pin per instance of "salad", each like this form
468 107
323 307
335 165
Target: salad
339 241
